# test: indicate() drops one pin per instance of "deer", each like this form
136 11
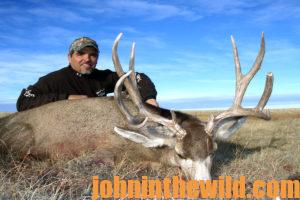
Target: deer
118 124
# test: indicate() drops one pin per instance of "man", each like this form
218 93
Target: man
79 80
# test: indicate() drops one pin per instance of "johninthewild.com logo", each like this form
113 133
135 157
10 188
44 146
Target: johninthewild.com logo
224 187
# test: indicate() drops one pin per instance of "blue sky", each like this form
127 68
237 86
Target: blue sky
184 46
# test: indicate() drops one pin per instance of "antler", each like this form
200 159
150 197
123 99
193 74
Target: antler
131 87
242 82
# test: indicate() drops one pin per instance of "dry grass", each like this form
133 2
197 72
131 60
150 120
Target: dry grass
260 150
3 114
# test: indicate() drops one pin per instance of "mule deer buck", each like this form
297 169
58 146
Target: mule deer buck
117 125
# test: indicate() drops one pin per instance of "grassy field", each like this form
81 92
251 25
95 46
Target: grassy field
260 150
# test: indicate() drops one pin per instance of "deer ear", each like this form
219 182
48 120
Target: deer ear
139 138
228 126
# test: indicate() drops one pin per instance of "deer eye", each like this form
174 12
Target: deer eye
211 153
180 156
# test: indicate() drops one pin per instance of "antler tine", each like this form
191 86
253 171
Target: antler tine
238 72
134 94
267 91
242 82
134 122
115 56
132 89
257 64
131 66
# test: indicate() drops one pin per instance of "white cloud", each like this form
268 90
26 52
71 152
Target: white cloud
277 11
255 11
19 69
149 10
142 40
223 6
55 35
58 13
128 29
210 81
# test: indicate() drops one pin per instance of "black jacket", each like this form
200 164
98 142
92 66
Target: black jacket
60 84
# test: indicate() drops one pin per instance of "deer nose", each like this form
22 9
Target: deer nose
202 169
197 170
202 173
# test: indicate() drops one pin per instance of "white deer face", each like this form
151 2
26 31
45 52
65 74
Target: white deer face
196 169
193 153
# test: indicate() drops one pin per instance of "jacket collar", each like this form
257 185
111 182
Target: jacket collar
78 73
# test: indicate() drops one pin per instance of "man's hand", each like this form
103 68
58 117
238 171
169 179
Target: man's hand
73 97
152 102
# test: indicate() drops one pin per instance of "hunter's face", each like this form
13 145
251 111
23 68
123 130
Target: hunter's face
84 61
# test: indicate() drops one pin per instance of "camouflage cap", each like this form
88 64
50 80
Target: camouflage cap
82 42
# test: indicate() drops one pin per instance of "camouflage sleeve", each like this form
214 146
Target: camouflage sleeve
37 95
